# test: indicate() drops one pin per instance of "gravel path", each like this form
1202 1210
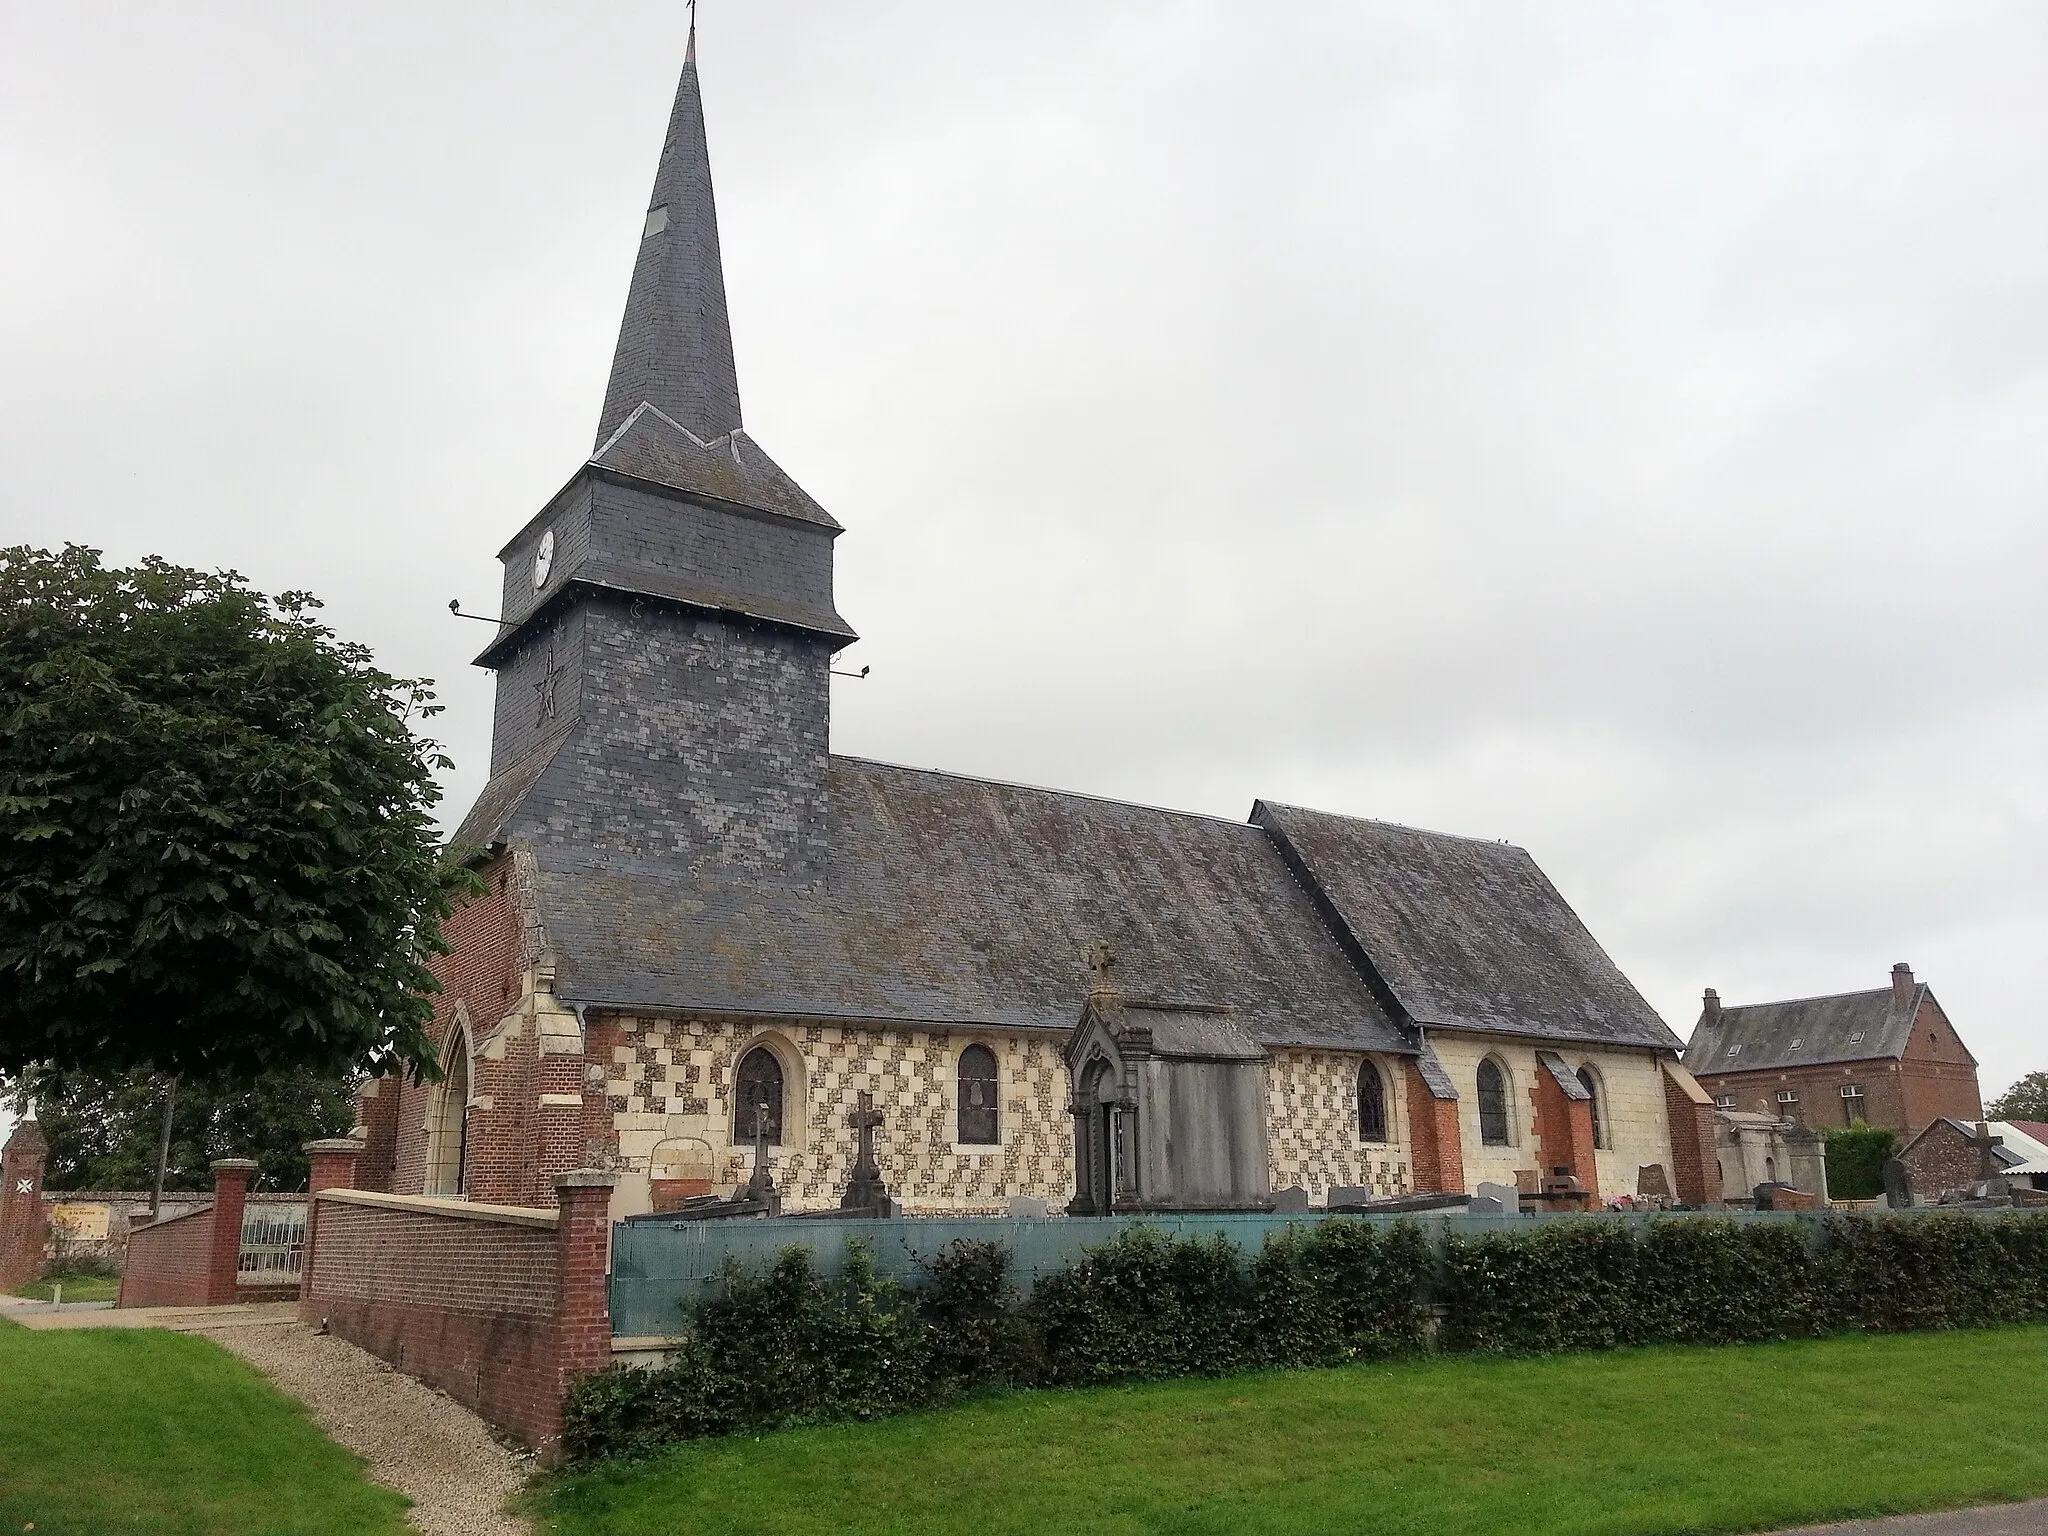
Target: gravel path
430 1448
1998 1520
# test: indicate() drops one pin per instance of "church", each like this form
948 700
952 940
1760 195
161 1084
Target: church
700 929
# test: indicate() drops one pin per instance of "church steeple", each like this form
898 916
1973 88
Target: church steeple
675 343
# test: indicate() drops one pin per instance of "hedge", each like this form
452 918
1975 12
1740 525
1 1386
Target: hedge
793 1346
1856 1158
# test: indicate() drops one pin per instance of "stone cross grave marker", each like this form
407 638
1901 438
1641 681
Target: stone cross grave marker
865 1190
1990 1172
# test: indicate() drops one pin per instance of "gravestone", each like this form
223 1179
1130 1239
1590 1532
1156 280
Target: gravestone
1291 1202
1990 1184
1484 1205
1653 1183
1898 1185
1026 1207
1783 1197
1505 1196
1343 1196
865 1190
761 1188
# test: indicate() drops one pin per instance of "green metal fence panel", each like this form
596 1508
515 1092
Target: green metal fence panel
661 1268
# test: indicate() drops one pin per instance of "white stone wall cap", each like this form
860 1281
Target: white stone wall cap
334 1144
586 1178
221 1163
438 1205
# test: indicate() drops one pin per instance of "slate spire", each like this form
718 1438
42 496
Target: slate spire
675 343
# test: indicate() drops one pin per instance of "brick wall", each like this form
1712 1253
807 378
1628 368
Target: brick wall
1563 1131
168 1263
191 1261
1941 1163
499 1307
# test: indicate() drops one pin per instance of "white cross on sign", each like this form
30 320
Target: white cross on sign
24 1186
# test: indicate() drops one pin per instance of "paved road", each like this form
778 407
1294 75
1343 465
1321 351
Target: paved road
2030 1519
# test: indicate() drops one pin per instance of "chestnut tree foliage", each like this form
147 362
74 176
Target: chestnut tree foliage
217 856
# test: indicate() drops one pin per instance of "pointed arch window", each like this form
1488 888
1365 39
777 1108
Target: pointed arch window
980 1122
758 1084
1493 1104
1591 1083
1372 1103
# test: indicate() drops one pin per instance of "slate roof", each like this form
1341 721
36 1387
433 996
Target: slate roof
675 341
1466 934
1850 1026
962 901
732 467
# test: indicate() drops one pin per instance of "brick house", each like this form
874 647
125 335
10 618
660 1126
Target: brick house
1944 1162
696 913
1888 1057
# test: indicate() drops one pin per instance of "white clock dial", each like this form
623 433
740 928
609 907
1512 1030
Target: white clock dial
543 559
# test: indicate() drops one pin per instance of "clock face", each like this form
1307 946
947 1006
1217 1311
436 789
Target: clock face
543 559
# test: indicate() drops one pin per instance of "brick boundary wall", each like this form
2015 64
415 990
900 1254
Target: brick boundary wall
191 1260
501 1307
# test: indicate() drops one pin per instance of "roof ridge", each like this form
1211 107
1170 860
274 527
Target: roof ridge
1817 997
1046 789
1401 826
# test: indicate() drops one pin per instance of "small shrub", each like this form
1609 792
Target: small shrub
978 1332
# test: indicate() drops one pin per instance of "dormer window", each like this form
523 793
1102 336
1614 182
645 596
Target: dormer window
1796 1043
1856 1037
657 221
1734 1050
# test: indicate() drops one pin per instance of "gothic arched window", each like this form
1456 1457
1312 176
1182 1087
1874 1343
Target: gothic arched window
1592 1086
1493 1104
1372 1103
759 1083
979 1124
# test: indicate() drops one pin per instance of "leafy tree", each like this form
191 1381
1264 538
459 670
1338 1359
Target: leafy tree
217 857
2026 1099
103 1127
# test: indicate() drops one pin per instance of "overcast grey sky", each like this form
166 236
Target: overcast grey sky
1616 428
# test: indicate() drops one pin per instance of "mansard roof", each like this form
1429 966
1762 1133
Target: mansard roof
1805 1031
1465 934
963 902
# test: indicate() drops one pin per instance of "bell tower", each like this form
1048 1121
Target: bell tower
668 616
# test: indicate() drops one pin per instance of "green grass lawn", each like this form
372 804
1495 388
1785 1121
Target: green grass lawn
76 1288
1639 1441
105 1430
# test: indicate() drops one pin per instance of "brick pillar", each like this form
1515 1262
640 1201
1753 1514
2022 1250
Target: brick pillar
22 1222
583 1319
1438 1160
377 1125
231 1176
333 1165
1564 1127
1695 1154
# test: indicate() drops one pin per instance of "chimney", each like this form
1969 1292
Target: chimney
1902 984
1710 1007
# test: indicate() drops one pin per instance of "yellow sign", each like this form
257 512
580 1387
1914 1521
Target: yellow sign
80 1223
